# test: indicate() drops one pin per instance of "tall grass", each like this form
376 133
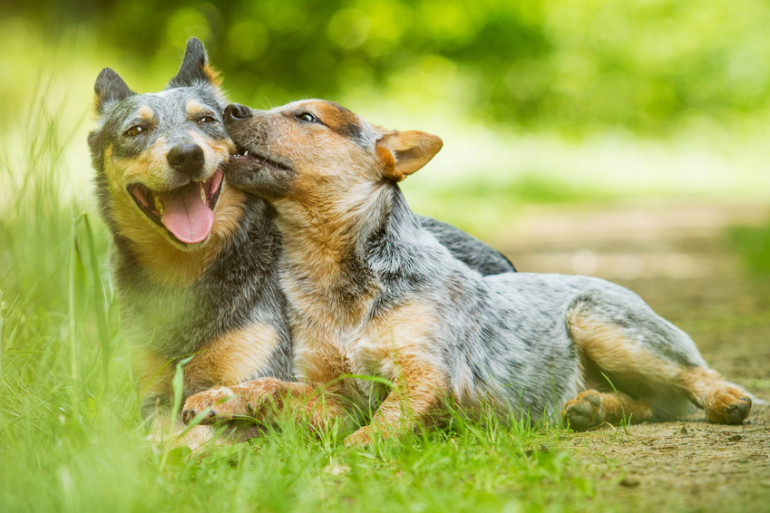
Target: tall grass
59 331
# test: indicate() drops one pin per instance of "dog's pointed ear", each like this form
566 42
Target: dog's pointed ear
109 88
195 67
403 153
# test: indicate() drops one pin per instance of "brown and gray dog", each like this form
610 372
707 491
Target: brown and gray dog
193 258
372 293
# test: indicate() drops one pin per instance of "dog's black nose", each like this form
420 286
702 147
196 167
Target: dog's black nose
237 111
186 158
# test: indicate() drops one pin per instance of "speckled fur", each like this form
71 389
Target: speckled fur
371 292
218 300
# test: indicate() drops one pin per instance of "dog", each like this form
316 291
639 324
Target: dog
371 292
194 259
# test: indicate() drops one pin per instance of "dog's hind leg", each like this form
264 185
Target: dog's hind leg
591 408
723 402
653 367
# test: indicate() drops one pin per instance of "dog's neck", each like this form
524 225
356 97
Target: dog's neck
325 266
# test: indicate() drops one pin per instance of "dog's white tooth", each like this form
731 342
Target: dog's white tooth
203 193
245 152
158 204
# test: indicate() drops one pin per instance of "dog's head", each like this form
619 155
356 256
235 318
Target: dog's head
159 156
313 149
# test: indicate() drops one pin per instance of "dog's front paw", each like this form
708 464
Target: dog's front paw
224 403
258 399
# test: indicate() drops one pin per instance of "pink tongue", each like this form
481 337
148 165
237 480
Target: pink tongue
186 215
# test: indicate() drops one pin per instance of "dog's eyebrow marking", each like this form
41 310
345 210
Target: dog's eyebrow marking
194 108
341 120
146 113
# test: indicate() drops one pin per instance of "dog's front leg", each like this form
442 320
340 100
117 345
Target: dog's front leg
267 400
155 385
416 400
165 429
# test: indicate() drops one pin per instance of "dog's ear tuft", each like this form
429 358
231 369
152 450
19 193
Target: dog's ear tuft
110 88
403 153
195 67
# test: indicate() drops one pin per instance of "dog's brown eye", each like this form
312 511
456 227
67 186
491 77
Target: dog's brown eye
206 119
306 116
134 131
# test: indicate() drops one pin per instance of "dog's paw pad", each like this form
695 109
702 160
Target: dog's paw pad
584 412
738 411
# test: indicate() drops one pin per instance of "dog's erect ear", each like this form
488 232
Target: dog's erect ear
109 88
403 153
195 67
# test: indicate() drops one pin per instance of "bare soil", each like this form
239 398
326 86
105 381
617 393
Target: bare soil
679 259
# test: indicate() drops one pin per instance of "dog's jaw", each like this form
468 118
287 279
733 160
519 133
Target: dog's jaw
186 214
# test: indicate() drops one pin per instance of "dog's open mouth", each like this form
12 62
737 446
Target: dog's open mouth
187 212
244 155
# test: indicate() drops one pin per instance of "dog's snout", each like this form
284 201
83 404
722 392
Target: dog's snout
236 111
186 158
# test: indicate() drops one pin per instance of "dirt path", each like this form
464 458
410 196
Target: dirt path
680 261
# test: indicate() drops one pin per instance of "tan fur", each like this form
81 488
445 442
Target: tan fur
146 168
228 360
316 253
604 345
193 108
592 408
405 330
336 117
213 75
398 346
146 113
415 400
155 381
394 346
723 402
326 236
411 150
232 357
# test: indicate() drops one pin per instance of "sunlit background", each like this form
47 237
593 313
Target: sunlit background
537 101
593 120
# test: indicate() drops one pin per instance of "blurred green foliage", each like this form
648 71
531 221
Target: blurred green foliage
753 246
641 65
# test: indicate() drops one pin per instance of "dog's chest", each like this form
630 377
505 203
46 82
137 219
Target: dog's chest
326 347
